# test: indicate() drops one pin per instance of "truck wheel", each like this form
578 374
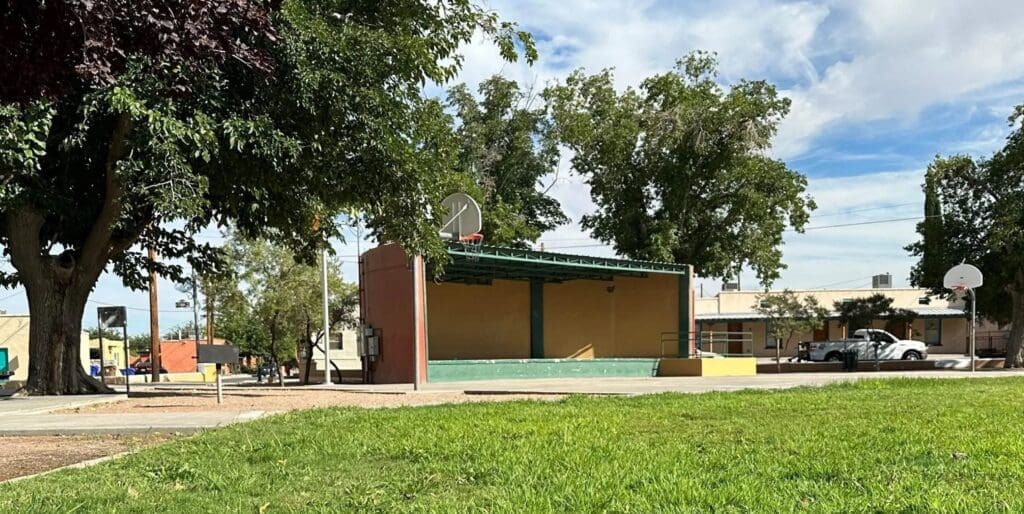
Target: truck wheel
912 355
834 357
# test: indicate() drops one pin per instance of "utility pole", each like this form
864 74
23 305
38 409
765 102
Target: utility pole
154 322
209 318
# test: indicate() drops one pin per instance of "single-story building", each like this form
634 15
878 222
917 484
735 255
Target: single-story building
495 312
14 342
942 324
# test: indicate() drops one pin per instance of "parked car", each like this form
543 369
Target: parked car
864 341
142 368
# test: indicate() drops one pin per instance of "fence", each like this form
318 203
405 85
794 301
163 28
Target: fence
713 344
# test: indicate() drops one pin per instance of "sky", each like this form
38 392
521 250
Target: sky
878 89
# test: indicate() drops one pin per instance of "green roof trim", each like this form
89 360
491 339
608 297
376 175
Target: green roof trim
482 264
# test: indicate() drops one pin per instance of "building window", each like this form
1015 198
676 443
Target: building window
933 332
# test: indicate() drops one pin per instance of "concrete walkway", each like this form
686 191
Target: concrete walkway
76 424
35 415
42 404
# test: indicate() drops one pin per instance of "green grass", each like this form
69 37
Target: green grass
893 446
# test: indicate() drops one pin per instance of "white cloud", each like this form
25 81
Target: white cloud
906 56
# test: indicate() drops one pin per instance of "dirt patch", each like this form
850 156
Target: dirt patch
269 400
36 454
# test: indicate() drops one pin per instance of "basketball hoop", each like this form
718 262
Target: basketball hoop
474 244
960 290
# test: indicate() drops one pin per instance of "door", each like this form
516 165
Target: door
735 338
821 333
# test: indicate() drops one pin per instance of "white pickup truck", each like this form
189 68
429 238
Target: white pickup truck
865 341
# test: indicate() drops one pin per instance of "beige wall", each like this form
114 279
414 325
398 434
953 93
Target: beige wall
745 301
624 317
478 321
14 337
621 318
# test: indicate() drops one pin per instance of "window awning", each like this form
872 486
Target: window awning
477 264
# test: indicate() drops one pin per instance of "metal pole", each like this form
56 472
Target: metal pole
99 325
220 392
127 384
327 319
195 314
973 323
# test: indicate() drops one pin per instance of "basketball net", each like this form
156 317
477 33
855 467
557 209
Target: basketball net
473 243
960 290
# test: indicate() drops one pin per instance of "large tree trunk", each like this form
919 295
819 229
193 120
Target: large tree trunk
1015 344
55 339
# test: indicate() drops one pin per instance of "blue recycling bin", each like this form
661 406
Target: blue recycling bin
94 370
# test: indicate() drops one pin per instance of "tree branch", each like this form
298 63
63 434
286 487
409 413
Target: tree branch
96 249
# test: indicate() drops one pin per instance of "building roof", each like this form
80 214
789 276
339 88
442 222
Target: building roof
924 312
481 264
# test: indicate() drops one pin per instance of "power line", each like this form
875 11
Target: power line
872 222
4 299
866 209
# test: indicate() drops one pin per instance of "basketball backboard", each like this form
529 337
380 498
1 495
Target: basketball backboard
462 217
963 276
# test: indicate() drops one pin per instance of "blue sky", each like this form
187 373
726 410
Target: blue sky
879 87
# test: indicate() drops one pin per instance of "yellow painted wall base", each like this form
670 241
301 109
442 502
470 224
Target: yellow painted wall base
730 367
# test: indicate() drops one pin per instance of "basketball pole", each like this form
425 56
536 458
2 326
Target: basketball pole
974 323
327 320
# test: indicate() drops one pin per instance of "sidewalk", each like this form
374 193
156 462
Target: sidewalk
35 416
78 424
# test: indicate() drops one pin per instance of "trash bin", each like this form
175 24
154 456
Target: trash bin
850 360
94 370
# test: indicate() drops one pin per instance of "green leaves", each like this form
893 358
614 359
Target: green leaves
504 152
788 314
677 169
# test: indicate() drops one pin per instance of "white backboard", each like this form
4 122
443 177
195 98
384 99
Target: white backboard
462 216
963 275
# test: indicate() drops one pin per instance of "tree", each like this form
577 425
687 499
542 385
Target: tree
283 295
677 168
139 343
931 268
108 333
860 313
787 316
982 203
130 124
505 152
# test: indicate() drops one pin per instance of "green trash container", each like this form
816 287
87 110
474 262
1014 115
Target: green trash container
850 360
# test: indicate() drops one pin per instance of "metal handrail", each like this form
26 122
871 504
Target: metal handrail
710 339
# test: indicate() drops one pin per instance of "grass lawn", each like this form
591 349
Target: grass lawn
895 445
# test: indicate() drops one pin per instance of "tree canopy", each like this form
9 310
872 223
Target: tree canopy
142 123
859 313
982 213
505 152
788 315
677 167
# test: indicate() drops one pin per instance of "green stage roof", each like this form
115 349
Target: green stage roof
478 264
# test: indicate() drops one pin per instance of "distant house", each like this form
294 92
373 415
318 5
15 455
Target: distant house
939 323
179 355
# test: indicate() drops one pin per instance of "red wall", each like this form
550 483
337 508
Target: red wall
178 356
389 279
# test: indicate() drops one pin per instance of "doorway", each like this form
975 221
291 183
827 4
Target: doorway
735 338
